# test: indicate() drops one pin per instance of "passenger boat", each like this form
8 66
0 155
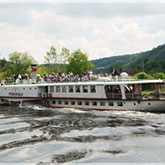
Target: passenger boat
143 95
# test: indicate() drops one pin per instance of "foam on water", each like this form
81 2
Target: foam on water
34 134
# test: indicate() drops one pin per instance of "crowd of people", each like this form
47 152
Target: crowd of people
54 77
58 77
62 77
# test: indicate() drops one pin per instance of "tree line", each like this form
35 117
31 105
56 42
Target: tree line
20 63
77 62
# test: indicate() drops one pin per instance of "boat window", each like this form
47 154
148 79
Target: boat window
59 102
71 89
94 103
79 102
111 104
57 89
149 91
113 92
66 102
112 89
86 103
51 89
53 102
78 89
162 91
72 102
102 103
133 91
120 104
128 88
85 89
64 89
93 89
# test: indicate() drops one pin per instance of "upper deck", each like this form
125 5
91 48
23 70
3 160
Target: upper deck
87 90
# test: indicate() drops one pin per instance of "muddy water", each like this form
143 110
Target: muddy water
34 134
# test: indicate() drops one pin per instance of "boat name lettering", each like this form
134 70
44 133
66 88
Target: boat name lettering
15 94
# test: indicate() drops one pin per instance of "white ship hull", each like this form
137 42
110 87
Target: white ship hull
114 96
110 105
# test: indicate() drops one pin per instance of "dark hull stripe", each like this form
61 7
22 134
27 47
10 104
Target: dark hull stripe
75 98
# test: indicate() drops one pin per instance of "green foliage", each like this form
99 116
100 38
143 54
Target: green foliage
2 63
79 63
142 75
19 63
56 60
150 62
64 56
52 58
41 70
118 68
159 75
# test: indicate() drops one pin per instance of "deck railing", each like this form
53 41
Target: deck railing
133 96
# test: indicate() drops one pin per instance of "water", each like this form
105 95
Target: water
39 135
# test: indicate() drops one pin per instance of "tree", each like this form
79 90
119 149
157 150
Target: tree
78 63
117 67
52 58
142 75
159 75
41 70
56 60
65 53
19 63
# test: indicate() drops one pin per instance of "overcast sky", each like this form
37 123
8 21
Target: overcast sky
101 30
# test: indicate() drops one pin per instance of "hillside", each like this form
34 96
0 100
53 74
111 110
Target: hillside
150 61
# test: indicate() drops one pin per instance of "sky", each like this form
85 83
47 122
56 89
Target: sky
99 28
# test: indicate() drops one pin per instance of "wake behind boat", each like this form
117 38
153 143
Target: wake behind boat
143 95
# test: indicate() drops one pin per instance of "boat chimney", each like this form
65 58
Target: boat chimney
33 71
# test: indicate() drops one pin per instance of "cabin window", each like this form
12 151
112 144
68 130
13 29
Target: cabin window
51 89
78 89
102 103
149 91
113 92
53 102
120 104
64 89
79 102
71 89
93 89
94 103
57 89
111 104
30 88
87 103
59 102
72 102
85 89
133 91
66 102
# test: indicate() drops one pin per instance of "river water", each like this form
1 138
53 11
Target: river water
39 135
